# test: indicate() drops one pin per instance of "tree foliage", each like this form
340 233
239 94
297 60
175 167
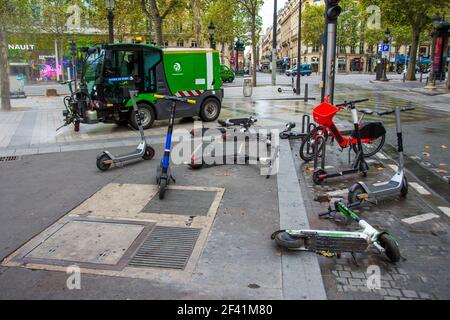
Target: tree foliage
312 24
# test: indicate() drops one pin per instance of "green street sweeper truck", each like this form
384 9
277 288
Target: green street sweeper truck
109 72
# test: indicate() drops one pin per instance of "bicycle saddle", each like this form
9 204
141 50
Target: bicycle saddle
366 111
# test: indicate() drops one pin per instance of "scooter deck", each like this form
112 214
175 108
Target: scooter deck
336 244
386 186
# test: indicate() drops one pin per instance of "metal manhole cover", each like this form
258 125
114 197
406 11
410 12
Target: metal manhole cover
182 202
166 247
9 158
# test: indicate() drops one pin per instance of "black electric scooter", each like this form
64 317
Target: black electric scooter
143 150
397 184
359 164
163 175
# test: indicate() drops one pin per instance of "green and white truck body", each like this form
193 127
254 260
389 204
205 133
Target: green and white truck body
184 72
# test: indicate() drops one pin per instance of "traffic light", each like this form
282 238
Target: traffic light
333 10
73 48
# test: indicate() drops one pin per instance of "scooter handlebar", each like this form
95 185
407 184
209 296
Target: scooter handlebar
393 111
348 103
173 98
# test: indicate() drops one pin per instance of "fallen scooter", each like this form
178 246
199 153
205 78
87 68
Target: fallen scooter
398 184
143 150
163 175
241 134
330 242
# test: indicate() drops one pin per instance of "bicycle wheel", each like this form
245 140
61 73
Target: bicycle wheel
307 147
372 148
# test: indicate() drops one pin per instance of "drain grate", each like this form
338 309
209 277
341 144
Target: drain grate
166 247
9 158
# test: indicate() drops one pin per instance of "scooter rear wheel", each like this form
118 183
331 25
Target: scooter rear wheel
354 192
316 176
149 153
390 246
101 165
284 239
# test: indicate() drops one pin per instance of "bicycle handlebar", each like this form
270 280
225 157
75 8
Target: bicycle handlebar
345 104
173 98
393 110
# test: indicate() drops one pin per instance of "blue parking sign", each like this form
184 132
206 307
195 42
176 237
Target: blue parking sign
384 47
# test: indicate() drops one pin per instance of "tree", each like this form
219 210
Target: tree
157 11
127 20
348 26
228 19
415 13
312 24
251 9
15 15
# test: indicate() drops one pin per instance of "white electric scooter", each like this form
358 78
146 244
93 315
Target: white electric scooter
397 184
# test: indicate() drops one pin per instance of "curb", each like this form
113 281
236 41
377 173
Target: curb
301 275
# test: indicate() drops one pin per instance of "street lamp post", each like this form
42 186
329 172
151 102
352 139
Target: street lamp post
110 4
274 43
211 30
299 47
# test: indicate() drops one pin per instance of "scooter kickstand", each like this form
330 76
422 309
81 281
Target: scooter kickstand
354 259
173 179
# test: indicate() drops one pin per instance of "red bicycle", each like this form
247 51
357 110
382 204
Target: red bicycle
373 134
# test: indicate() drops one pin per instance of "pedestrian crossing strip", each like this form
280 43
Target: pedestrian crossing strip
420 218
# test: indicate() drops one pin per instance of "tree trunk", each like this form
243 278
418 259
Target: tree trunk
5 103
411 74
253 31
159 31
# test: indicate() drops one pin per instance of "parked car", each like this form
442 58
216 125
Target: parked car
226 74
306 70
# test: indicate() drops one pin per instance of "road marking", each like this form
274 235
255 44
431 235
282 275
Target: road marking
328 167
393 167
420 218
381 156
371 161
445 210
419 188
338 192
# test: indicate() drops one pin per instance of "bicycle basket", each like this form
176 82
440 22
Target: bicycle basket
323 114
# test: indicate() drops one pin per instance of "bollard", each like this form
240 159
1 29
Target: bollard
305 123
421 75
247 89
306 92
404 77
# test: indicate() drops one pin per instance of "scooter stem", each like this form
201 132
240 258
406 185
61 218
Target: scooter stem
399 138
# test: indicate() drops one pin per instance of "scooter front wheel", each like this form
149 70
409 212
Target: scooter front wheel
284 239
162 188
104 162
149 153
390 246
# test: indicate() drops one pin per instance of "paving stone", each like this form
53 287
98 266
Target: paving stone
401 271
390 298
410 293
386 276
347 268
335 273
338 267
358 275
381 292
343 281
345 274
424 295
385 284
394 292
339 288
356 282
395 285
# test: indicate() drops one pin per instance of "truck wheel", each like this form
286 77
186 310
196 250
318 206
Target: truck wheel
210 110
147 116
230 79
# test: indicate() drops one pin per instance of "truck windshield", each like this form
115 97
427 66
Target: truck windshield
94 63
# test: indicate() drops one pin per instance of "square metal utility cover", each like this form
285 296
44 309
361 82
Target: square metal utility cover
166 247
182 202
98 244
